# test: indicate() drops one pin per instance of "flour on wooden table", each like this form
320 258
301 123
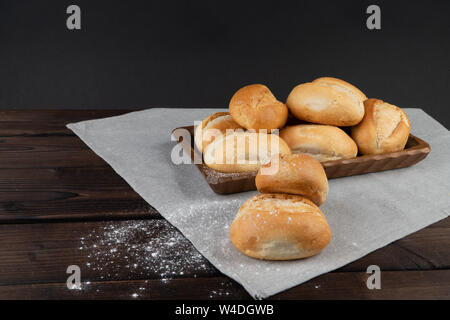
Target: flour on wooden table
151 248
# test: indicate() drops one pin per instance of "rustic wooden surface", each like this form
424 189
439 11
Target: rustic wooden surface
57 200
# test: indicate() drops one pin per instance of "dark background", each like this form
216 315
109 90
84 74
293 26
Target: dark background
137 54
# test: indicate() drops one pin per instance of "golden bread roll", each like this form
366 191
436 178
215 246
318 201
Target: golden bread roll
322 142
243 151
297 174
385 128
327 101
213 126
255 107
279 227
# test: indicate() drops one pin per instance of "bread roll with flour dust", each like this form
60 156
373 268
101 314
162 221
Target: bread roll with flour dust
243 151
385 128
322 142
255 107
212 127
295 174
328 101
280 227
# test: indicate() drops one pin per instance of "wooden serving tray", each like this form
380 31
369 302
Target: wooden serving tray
224 183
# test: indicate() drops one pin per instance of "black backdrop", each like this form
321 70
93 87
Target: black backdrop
136 54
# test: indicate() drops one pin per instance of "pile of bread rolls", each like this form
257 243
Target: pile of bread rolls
284 222
323 105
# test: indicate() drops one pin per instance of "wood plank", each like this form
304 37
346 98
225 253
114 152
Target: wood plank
153 249
125 250
426 285
46 152
73 207
33 129
89 193
58 116
433 284
25 123
189 288
425 249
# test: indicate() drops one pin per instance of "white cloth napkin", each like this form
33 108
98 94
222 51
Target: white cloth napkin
365 212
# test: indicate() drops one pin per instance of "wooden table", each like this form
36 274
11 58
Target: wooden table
62 205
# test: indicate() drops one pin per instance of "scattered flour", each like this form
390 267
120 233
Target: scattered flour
151 248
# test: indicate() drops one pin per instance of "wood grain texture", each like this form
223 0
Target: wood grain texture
46 122
57 116
41 252
68 193
422 285
104 250
46 152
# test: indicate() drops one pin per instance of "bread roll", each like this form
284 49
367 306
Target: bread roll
279 227
322 142
385 128
210 128
255 107
243 151
297 174
327 101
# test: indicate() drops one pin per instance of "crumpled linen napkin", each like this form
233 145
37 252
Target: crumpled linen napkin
364 212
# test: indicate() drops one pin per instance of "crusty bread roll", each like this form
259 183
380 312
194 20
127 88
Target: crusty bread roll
296 174
385 128
243 151
322 142
279 227
211 127
327 101
255 107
